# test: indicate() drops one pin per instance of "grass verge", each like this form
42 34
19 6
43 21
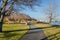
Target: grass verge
52 32
13 35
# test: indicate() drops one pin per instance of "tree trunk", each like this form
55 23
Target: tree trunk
2 13
0 26
1 21
50 18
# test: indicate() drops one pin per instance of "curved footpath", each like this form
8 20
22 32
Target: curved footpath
37 34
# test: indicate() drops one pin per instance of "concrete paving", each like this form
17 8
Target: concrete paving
37 34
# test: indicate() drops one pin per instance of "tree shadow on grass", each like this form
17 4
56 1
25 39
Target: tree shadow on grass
8 34
51 36
33 32
53 26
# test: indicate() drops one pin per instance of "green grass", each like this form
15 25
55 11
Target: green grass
32 22
52 31
43 25
14 26
13 35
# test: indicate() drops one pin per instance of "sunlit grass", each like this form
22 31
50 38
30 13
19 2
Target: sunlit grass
43 25
14 26
13 35
52 33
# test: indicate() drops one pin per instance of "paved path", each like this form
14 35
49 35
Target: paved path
37 34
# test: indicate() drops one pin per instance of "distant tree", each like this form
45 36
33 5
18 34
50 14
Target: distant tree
50 11
7 7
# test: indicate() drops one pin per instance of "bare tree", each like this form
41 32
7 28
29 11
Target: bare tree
7 7
50 11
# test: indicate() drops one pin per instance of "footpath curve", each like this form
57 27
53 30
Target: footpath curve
37 34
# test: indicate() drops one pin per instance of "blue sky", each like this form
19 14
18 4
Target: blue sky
38 12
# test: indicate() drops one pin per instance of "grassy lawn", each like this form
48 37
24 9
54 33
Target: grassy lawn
43 25
52 32
13 35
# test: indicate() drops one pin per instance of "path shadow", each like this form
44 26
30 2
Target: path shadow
55 26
